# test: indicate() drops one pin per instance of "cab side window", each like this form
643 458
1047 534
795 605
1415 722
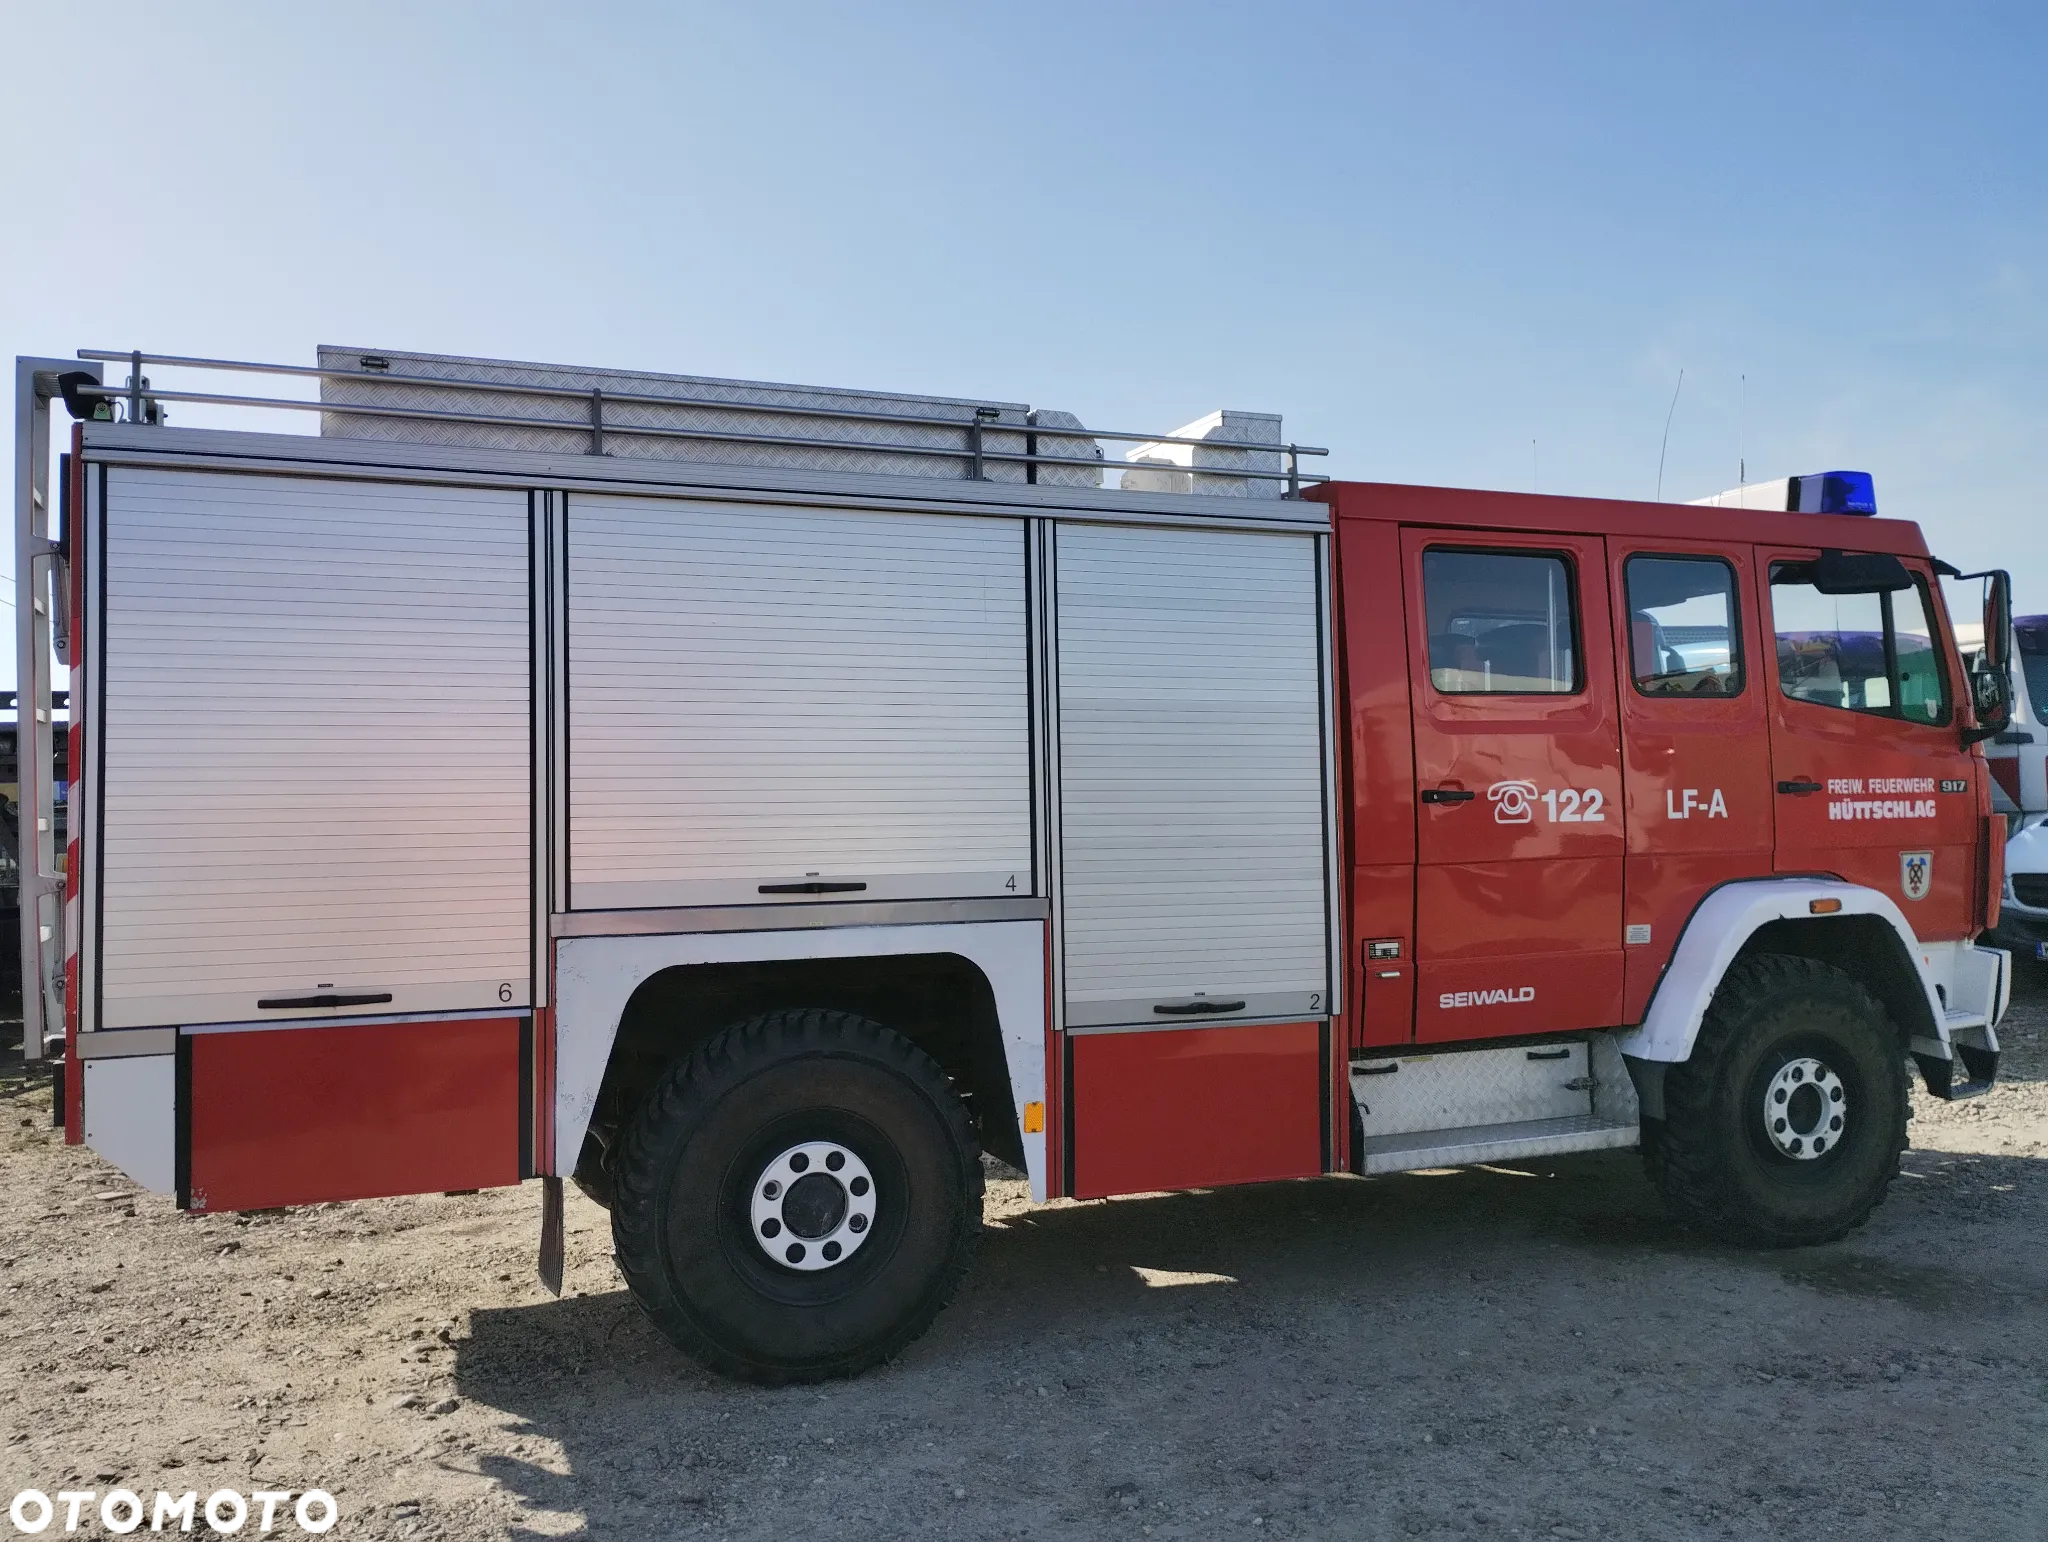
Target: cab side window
1871 653
1684 639
1500 623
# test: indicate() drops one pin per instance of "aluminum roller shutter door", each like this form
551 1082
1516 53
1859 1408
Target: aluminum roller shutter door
1191 774
766 696
316 725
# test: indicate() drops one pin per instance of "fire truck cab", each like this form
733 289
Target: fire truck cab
753 803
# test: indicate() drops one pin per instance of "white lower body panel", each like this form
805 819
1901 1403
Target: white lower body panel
131 1116
596 976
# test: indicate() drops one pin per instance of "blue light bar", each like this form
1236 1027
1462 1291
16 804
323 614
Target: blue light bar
1833 492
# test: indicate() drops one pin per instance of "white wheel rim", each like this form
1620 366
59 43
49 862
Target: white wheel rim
813 1206
1806 1109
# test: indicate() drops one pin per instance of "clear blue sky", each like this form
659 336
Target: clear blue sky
1426 234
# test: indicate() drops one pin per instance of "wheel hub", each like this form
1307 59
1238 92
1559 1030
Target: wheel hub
1806 1109
813 1206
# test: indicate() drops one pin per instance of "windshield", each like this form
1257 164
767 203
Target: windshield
1860 652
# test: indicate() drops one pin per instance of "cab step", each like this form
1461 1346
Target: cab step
1491 1143
1444 1107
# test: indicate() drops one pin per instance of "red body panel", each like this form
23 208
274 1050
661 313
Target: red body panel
1526 948
294 1116
1894 767
1517 896
1663 892
1377 760
1696 775
1382 990
1196 1107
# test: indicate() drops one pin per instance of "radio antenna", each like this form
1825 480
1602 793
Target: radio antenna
1667 434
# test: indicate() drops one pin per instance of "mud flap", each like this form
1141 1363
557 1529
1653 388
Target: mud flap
551 1235
1938 1075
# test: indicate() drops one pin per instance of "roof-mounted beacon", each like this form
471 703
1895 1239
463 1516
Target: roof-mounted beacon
1823 492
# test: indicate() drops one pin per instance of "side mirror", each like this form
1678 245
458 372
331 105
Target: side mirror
1991 695
1991 690
1998 620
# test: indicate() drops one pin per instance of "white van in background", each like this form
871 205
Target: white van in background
2019 770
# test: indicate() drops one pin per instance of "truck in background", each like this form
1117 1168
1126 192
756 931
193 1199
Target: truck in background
2018 761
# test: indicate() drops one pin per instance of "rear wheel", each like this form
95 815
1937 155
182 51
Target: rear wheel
799 1199
1785 1126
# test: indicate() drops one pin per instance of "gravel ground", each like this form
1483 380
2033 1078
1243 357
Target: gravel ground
1525 1351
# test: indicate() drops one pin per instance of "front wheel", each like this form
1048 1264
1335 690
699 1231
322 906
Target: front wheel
1785 1126
799 1199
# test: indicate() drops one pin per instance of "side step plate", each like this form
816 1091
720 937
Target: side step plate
1491 1143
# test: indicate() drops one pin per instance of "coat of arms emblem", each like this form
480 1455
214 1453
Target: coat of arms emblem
1916 871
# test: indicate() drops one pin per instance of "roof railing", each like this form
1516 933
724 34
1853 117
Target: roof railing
138 401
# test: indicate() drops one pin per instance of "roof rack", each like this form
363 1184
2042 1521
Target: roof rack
991 434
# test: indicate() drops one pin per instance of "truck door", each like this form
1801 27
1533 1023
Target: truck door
1696 763
1518 771
1871 783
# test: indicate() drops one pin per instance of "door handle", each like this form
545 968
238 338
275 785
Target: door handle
285 1003
1196 1008
812 887
1447 795
1799 788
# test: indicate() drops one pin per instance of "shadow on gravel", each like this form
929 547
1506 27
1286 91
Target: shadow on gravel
1377 1296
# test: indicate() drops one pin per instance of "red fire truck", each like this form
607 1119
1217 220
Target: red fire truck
755 802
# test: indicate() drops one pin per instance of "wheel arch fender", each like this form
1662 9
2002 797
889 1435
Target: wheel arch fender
1855 924
601 981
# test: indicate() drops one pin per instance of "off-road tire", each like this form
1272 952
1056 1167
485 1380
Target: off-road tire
692 1151
1711 1157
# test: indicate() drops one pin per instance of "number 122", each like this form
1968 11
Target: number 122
1572 807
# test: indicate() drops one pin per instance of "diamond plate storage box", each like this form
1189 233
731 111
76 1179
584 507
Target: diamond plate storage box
825 428
1167 467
